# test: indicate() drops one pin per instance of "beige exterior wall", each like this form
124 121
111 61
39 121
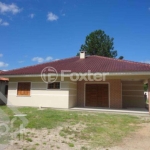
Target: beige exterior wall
65 97
133 94
72 93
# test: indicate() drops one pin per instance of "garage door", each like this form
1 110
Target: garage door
97 95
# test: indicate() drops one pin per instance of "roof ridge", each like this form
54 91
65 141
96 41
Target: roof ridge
123 60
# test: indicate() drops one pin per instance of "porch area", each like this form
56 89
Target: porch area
133 111
123 95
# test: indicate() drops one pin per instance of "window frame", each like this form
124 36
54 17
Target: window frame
54 86
18 94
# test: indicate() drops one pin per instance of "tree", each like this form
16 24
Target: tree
98 43
120 57
145 87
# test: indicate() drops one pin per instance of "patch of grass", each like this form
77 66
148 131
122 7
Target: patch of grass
33 148
67 131
100 129
4 139
71 144
83 148
71 138
29 139
61 133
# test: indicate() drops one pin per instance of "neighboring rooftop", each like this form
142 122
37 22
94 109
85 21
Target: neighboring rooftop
4 79
1 71
75 64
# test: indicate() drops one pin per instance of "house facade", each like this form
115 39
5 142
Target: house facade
92 81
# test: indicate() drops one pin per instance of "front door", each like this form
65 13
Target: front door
97 95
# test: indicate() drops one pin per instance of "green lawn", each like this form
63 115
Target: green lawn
101 129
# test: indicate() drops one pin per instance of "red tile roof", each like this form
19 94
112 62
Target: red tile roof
92 63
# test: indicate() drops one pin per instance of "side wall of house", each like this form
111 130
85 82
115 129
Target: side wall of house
40 96
133 94
115 93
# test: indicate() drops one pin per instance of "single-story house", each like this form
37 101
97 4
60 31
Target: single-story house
82 81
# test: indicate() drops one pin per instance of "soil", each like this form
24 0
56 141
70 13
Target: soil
139 140
45 139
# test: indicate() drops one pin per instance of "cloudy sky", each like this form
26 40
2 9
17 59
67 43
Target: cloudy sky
37 31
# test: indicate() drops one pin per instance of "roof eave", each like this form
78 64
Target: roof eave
83 74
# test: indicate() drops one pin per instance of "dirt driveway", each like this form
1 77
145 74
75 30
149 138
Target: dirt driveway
139 140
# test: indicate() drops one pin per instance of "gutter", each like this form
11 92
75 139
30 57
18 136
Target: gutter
82 74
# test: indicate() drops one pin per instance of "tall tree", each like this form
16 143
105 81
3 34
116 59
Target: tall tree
98 43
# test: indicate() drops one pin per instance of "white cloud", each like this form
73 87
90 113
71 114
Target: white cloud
2 64
3 23
48 58
40 59
31 16
12 8
57 59
146 61
1 55
52 17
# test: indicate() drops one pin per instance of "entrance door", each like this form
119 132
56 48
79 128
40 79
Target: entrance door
97 95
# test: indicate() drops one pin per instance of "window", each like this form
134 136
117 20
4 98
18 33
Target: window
55 85
23 88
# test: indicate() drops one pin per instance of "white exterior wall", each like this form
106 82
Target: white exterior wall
72 94
65 97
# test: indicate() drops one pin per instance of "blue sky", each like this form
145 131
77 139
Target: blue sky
36 31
